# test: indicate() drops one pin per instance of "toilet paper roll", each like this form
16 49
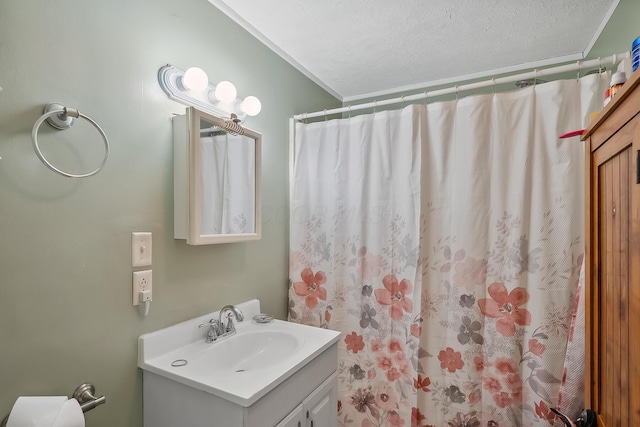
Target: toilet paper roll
35 411
70 415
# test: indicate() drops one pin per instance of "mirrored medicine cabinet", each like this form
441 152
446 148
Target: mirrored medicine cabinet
216 180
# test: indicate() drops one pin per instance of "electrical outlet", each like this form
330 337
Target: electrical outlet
141 282
140 249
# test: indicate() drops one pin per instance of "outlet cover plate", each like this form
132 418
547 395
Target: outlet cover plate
141 282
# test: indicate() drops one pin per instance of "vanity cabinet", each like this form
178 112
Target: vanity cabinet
612 263
312 389
317 410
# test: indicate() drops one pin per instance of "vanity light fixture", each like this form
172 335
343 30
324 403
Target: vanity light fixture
195 79
192 88
225 92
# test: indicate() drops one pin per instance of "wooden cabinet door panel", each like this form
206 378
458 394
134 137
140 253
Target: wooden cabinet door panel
611 319
612 289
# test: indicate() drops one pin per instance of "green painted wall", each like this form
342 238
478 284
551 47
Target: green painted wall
621 30
66 315
65 270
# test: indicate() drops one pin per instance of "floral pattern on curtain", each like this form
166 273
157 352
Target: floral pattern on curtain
444 242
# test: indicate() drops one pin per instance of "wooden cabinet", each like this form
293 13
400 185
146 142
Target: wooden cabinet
612 218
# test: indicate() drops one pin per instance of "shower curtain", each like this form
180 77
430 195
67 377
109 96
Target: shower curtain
445 243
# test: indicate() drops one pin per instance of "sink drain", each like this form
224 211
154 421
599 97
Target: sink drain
179 362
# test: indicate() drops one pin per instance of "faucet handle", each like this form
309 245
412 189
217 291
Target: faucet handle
212 333
212 323
230 327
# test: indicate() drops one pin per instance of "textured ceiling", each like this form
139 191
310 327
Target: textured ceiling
364 48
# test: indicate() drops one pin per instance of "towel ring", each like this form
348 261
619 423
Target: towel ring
61 118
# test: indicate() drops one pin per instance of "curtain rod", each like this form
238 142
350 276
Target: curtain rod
613 59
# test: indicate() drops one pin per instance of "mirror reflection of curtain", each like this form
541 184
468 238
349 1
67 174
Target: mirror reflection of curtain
445 243
228 184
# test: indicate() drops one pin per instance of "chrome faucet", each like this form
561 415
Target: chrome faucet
212 332
229 328
217 328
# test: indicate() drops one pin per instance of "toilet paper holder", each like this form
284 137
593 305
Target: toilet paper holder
84 395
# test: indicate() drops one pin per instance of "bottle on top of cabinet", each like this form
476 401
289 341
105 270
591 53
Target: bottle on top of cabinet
617 80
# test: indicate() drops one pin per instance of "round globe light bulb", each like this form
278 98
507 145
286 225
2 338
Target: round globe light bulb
195 79
251 105
225 91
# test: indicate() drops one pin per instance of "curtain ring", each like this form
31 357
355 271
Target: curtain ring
493 81
426 98
456 92
325 114
375 105
599 65
349 111
402 100
535 77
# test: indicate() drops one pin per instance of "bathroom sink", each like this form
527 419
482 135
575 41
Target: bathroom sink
240 368
249 350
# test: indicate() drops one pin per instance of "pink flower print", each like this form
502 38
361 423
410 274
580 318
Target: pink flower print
369 266
505 366
311 287
491 384
518 396
450 359
394 295
393 374
505 306
376 344
395 420
384 362
502 399
536 347
474 397
513 382
470 273
395 345
386 398
400 362
371 374
415 330
354 342
399 357
405 369
481 362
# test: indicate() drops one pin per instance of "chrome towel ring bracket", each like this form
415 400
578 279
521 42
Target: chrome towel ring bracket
61 118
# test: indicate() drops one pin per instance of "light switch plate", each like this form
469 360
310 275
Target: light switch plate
140 249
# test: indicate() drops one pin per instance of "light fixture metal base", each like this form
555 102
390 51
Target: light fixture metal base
169 78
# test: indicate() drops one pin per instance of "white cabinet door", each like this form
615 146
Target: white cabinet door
321 407
294 419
